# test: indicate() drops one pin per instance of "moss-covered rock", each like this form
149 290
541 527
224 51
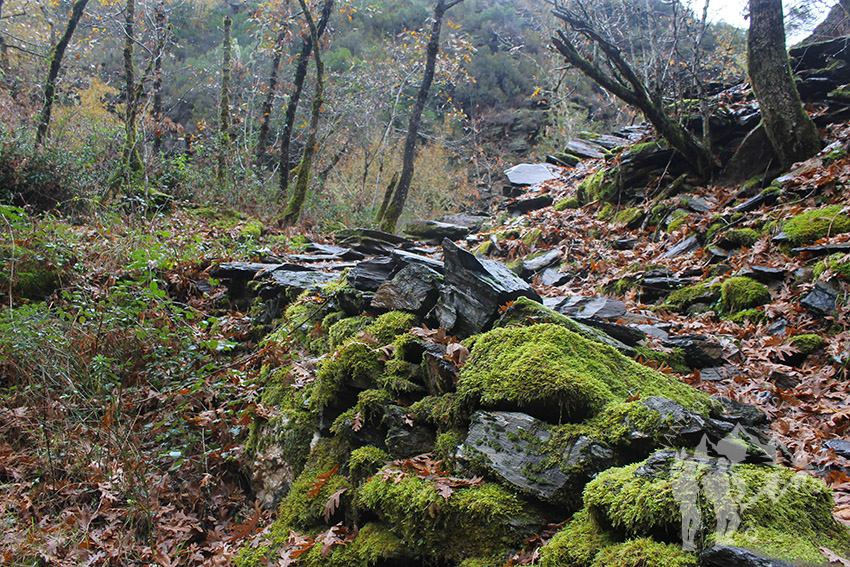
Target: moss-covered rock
767 509
532 237
577 544
644 552
740 292
251 230
808 343
752 315
344 329
557 375
631 217
568 203
703 293
811 226
837 264
741 237
472 521
27 273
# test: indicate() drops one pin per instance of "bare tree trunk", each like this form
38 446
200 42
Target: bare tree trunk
53 71
266 113
631 90
790 130
161 33
293 209
4 49
224 109
292 106
396 206
388 194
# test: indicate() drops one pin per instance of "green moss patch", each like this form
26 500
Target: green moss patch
644 552
702 293
472 521
557 375
568 203
808 343
838 264
739 293
631 217
811 226
741 237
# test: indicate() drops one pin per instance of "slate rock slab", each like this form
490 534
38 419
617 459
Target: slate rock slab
434 230
405 258
822 300
585 149
512 446
728 556
344 253
554 277
472 221
683 247
474 289
296 282
370 241
534 265
699 350
530 174
414 288
525 205
840 446
584 307
368 275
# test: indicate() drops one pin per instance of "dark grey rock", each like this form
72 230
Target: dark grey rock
434 230
765 274
627 335
585 307
654 331
839 247
719 373
368 275
403 438
344 253
699 350
822 300
405 258
607 141
296 282
783 380
440 373
727 556
474 290
526 204
554 277
585 149
529 174
370 241
681 426
840 446
472 221
698 205
625 244
741 412
683 247
513 447
752 158
415 288
778 327
543 261
563 159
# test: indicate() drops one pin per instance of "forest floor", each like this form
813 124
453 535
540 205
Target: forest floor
128 382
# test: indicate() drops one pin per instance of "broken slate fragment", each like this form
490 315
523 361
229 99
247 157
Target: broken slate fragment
840 446
529 174
368 275
474 290
434 230
344 253
683 247
534 265
821 300
414 288
404 258
513 447
524 205
584 307
699 350
554 277
586 149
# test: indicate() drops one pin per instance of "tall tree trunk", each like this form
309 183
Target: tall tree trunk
266 112
298 87
790 130
132 156
161 33
293 209
53 71
396 206
224 108
4 50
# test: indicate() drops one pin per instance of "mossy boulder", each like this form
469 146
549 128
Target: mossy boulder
251 230
704 294
837 264
602 185
557 375
27 273
740 237
808 343
631 217
737 293
811 226
471 521
568 203
700 501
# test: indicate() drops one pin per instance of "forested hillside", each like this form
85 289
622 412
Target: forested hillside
473 283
